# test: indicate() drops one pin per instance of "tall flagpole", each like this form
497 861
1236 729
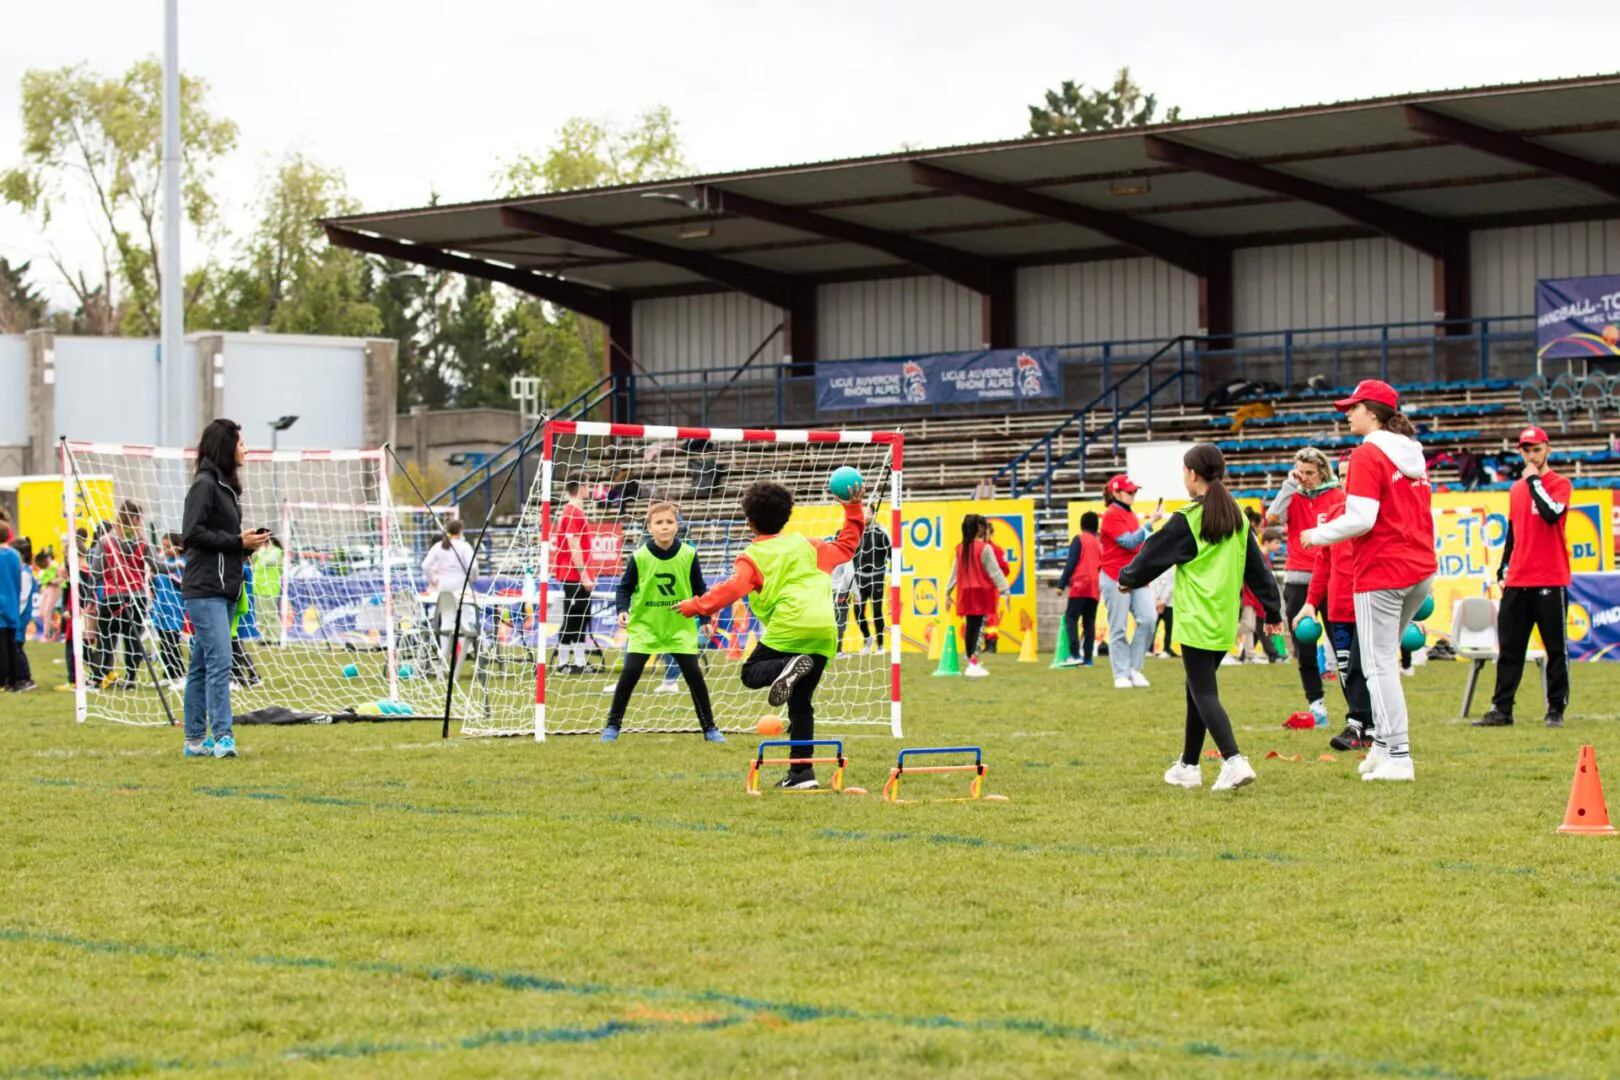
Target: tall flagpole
173 311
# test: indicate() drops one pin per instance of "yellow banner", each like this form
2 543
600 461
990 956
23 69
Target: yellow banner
930 532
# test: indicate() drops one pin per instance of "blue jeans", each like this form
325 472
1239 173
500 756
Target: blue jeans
208 682
1126 655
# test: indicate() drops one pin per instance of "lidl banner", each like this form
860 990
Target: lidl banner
1594 617
930 533
1578 317
946 379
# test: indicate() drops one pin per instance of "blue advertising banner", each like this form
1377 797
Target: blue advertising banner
1578 317
946 379
1594 617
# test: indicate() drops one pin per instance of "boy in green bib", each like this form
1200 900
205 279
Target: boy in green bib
658 575
788 578
1215 555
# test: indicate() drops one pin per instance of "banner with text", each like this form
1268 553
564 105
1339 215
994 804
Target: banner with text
946 379
1594 617
1578 317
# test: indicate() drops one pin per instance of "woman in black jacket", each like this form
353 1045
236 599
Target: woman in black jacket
211 584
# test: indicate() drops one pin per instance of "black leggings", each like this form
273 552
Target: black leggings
1167 619
1352 680
692 671
576 614
122 618
973 626
870 595
1310 675
762 667
1204 709
1080 620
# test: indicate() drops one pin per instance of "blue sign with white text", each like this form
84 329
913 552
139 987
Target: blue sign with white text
946 379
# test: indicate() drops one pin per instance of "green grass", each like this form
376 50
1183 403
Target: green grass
368 900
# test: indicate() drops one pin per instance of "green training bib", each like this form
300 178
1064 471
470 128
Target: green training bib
661 584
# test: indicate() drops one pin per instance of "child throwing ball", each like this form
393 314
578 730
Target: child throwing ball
660 574
789 579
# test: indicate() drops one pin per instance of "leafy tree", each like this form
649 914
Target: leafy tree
22 307
1074 107
97 142
589 153
289 279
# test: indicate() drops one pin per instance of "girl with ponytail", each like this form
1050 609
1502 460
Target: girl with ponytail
1215 554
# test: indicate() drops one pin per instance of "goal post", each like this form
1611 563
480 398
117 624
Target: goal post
621 469
333 620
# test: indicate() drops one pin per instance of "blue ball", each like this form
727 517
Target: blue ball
1413 639
844 480
1427 608
1308 632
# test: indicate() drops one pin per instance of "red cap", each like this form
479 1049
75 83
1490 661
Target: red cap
1370 390
1122 483
1531 436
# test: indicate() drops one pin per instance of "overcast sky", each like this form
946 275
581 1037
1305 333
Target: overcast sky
412 96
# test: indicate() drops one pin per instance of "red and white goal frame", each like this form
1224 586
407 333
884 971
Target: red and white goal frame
545 481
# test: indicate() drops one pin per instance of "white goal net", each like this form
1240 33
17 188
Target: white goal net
335 622
519 686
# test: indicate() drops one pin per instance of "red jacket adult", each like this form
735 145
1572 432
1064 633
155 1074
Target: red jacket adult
1536 555
571 522
1080 573
1118 522
1333 585
1307 512
1388 471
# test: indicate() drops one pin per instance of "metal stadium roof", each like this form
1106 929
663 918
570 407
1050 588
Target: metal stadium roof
1418 168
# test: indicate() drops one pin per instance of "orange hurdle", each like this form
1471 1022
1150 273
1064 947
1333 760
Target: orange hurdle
835 786
891 787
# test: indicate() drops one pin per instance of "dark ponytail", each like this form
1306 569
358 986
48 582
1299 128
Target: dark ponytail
1391 420
1222 515
971 526
452 529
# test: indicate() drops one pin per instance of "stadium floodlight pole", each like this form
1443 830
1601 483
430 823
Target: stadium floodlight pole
277 426
172 310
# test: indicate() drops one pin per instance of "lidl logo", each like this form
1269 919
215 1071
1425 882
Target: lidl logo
925 596
1007 534
1584 534
1578 624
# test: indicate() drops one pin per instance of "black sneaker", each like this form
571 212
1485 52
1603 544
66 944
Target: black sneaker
794 670
1555 718
1494 718
801 780
1351 738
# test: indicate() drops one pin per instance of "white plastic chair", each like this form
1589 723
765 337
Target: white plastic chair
1473 635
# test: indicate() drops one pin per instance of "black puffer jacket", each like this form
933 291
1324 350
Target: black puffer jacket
213 538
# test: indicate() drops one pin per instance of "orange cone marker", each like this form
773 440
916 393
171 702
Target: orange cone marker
1587 814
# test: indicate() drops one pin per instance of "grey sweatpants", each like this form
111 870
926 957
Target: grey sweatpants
1126 656
1381 618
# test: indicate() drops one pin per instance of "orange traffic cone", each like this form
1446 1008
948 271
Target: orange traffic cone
735 650
1587 813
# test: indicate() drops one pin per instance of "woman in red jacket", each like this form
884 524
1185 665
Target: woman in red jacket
1079 578
1387 519
1311 496
975 587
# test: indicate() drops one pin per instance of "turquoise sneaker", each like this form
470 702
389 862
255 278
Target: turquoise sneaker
713 735
225 747
610 734
200 749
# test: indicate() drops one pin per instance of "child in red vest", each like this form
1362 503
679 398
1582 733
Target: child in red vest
1079 579
974 588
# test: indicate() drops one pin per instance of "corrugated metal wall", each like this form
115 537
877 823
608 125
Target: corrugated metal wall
1507 262
1338 283
13 390
107 389
1117 300
897 317
712 331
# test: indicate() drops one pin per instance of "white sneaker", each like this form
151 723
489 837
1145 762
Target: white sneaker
1395 768
1375 757
1236 772
1319 712
1408 672
1123 684
1140 680
1187 776
1073 661
671 686
1230 661
976 670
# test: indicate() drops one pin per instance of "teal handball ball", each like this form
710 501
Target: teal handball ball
1308 632
844 480
1414 638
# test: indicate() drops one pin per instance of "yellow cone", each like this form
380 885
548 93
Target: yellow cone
1026 651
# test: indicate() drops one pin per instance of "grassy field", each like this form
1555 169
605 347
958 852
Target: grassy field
370 900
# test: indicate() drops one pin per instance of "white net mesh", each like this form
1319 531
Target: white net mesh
334 623
620 475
